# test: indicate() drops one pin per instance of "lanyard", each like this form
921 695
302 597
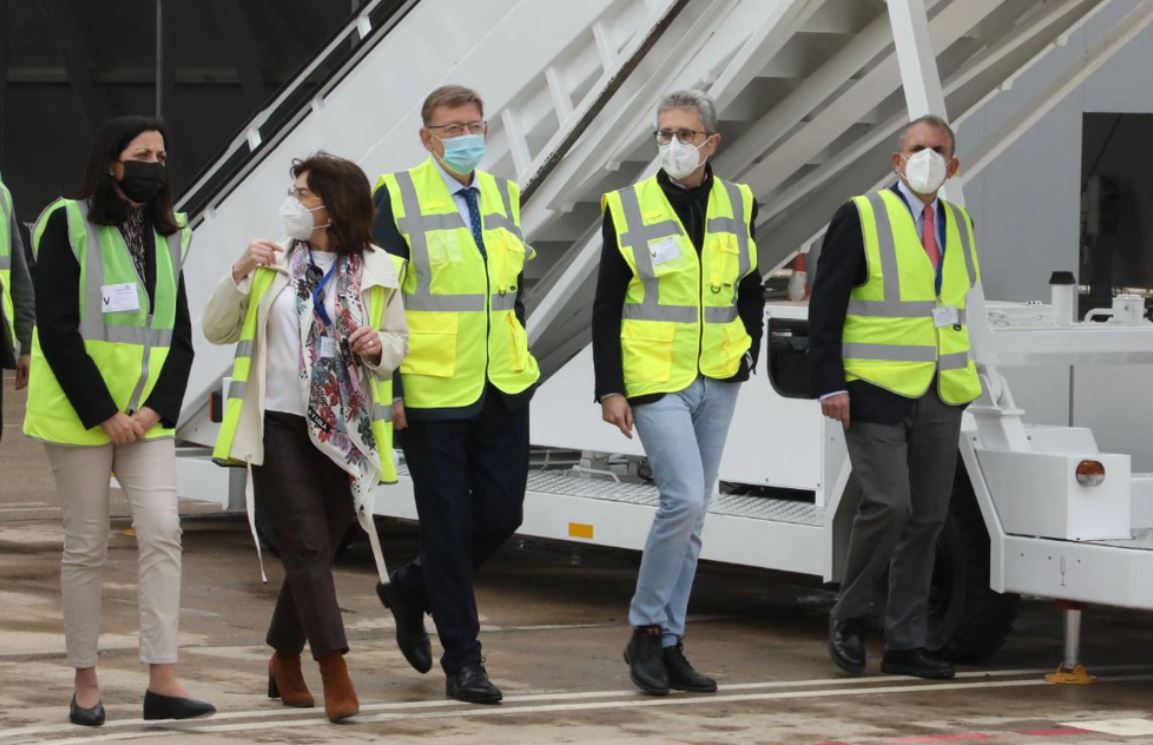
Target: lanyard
318 291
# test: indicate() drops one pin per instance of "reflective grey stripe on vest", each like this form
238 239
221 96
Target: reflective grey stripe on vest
492 222
735 225
417 224
889 352
243 351
637 238
5 263
244 348
886 247
955 361
720 313
236 389
504 301
898 309
92 326
963 229
382 412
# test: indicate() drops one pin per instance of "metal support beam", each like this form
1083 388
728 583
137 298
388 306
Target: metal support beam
165 60
73 44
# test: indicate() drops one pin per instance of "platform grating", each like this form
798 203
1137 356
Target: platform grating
566 483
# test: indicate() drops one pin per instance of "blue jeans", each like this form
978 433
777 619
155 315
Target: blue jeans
683 435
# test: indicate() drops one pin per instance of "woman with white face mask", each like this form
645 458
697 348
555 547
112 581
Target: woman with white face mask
321 330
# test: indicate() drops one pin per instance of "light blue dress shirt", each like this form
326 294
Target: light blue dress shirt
455 188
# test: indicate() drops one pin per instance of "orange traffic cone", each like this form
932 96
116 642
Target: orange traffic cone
798 289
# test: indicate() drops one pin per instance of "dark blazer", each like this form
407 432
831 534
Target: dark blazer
840 268
57 281
613 280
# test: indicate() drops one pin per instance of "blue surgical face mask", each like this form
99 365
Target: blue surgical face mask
463 154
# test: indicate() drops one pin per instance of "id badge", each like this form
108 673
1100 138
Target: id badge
121 298
665 251
945 316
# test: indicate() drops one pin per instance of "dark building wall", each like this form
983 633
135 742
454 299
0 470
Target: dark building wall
68 64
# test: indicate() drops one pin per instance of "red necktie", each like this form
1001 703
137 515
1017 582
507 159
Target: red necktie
929 237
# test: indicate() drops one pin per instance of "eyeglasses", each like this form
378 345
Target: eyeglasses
684 136
301 193
456 129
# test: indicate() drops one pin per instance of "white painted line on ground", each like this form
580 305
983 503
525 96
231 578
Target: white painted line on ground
1118 727
634 699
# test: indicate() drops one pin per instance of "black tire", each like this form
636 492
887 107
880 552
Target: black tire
968 621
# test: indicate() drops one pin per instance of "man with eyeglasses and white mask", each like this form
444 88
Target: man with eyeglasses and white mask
891 363
676 326
461 408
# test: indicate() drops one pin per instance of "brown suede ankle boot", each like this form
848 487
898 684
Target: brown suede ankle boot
286 682
340 701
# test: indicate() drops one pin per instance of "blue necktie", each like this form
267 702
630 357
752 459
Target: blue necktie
470 196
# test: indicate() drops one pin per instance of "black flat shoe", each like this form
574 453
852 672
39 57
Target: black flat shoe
410 634
920 663
847 644
682 676
472 686
93 717
646 661
157 706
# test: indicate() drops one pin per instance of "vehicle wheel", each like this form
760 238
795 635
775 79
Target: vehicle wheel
968 621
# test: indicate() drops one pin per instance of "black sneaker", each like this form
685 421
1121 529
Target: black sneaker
682 676
646 662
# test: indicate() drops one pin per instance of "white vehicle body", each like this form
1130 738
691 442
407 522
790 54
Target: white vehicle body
811 94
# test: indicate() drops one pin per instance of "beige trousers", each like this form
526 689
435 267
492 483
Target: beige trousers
147 473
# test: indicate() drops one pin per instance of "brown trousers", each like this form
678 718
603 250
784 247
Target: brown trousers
307 501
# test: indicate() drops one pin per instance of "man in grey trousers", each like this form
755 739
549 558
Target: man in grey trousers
890 360
17 301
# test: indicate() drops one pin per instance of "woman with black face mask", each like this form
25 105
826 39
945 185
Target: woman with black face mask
110 361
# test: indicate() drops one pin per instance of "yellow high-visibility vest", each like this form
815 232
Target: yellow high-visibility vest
242 366
680 311
891 338
128 347
6 268
462 325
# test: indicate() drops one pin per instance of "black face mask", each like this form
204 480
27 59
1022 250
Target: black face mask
142 181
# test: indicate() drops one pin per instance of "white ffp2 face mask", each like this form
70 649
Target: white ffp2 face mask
926 171
679 159
296 219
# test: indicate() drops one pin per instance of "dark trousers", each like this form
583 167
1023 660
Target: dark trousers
469 478
906 473
307 501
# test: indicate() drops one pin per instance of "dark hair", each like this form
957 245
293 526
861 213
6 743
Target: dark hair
343 188
451 96
106 207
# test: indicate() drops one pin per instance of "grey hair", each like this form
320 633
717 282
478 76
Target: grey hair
698 101
932 120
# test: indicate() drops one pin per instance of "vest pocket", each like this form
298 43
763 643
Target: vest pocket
443 247
647 349
432 339
724 346
518 354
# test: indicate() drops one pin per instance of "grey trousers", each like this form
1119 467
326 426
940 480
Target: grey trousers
906 475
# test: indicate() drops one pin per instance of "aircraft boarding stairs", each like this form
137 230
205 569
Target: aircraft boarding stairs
810 99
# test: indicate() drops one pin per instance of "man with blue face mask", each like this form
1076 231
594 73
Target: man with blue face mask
891 363
462 395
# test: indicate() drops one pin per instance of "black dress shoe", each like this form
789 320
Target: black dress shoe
847 644
472 686
92 717
157 706
410 634
920 663
682 676
646 661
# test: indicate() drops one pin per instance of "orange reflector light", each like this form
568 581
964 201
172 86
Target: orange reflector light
580 530
1090 473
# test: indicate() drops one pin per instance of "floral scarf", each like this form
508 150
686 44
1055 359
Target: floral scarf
339 408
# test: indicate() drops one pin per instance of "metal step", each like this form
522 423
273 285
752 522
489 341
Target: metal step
570 484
